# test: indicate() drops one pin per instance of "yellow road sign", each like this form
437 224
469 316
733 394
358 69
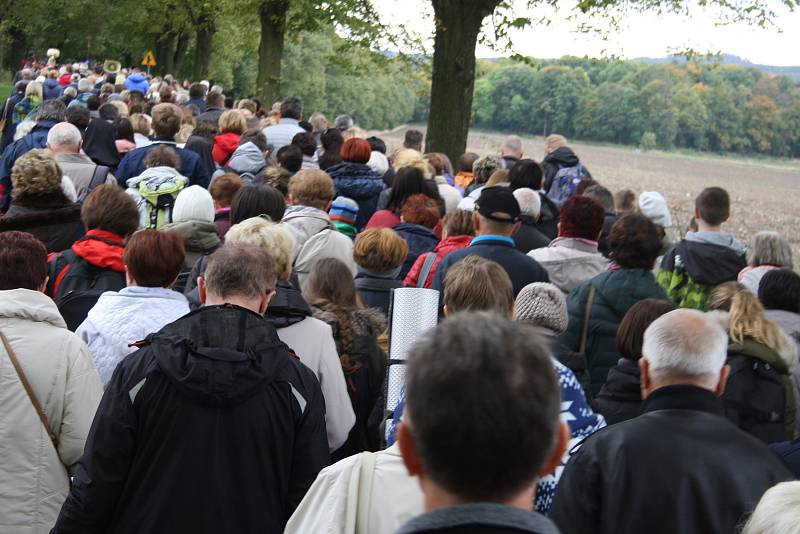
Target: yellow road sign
149 59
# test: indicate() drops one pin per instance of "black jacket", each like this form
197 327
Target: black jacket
57 224
287 307
420 239
376 292
522 269
620 398
211 426
678 467
557 159
528 237
548 217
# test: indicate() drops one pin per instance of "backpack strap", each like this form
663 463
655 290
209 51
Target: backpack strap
427 265
365 476
29 391
587 314
99 176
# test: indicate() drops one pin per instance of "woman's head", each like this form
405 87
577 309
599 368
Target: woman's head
23 261
34 89
485 167
356 150
331 281
746 315
780 290
271 237
525 173
255 200
154 258
420 209
224 188
36 174
123 129
630 334
142 124
408 157
634 242
108 207
380 250
408 181
769 248
581 217
232 121
457 222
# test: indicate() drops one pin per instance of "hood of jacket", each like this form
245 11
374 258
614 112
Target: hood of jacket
416 229
102 249
788 321
562 157
621 289
219 355
228 142
717 238
247 158
287 307
29 305
305 222
449 244
158 175
356 180
369 322
198 236
709 263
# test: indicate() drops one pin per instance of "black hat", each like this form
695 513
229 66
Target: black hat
498 204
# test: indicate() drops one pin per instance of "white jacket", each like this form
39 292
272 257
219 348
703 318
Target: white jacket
312 341
381 493
449 194
569 262
124 317
34 481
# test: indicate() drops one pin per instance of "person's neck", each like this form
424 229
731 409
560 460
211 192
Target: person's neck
62 151
703 226
488 233
436 497
252 304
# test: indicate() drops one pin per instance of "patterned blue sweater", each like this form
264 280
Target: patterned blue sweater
582 421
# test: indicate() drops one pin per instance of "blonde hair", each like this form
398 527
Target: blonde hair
318 122
478 284
184 133
36 173
34 89
311 187
498 177
141 123
747 319
778 511
380 250
408 157
121 107
232 121
247 104
555 141
268 236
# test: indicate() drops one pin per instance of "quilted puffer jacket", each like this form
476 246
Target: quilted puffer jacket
362 184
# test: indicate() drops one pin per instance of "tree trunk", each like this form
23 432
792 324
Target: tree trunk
458 24
202 51
180 51
270 50
165 50
14 53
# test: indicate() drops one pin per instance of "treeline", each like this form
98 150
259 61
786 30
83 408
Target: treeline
701 106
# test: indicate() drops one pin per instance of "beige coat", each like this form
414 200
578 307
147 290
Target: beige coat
34 482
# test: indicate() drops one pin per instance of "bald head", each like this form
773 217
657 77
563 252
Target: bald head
64 138
685 347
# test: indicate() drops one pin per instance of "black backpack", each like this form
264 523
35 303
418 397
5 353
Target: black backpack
78 284
757 398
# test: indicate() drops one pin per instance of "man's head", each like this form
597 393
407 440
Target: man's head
625 202
292 108
167 120
496 212
466 161
108 207
602 195
306 142
197 91
270 237
343 122
108 111
215 100
684 347
224 188
311 187
530 203
243 275
290 158
478 284
52 110
525 173
554 142
23 262
64 138
256 137
780 290
413 140
712 207
512 146
85 85
490 455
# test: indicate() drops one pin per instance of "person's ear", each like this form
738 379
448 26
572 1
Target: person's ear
264 304
328 205
201 289
408 450
644 377
43 287
560 445
516 227
723 379
446 310
476 222
129 278
599 235
697 214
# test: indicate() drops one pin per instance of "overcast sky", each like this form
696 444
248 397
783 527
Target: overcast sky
647 35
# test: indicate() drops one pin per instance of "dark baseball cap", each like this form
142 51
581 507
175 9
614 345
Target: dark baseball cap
498 204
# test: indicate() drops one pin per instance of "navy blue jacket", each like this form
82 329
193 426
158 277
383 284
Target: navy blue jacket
51 89
200 103
191 165
419 239
522 269
362 184
37 138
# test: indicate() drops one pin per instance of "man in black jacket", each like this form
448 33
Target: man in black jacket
681 466
211 426
557 156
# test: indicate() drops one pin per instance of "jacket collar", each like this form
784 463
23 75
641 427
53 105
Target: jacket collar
482 513
575 243
683 397
490 239
30 305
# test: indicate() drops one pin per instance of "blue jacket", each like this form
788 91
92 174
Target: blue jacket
137 82
51 89
362 184
419 239
191 165
522 269
37 138
199 102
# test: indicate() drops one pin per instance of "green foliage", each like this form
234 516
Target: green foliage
648 141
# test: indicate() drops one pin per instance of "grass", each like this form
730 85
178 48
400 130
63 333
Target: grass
5 90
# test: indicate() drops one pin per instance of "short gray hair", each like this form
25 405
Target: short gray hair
778 511
70 92
686 343
530 203
273 238
52 110
85 84
240 270
344 122
769 248
513 142
64 134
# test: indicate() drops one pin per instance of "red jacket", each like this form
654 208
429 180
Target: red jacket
99 248
225 145
445 247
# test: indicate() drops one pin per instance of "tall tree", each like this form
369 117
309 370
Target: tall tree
270 49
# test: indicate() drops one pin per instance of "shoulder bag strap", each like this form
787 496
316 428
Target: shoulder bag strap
98 177
430 257
364 492
29 391
587 314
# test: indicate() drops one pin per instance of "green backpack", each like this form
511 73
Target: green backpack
158 199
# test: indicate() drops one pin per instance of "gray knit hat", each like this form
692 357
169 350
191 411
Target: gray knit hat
542 304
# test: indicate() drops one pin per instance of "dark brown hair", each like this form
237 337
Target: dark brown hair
458 222
714 205
224 188
634 242
153 258
162 156
23 261
630 334
111 209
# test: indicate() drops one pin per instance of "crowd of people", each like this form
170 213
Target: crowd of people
195 310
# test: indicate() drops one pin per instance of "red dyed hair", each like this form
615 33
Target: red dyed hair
582 217
154 258
421 209
23 261
356 150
